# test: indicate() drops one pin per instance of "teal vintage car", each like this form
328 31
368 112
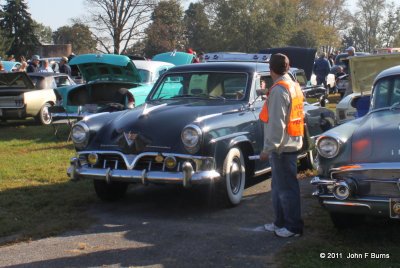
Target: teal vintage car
113 82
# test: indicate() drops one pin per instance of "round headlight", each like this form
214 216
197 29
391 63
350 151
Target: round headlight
191 137
328 147
80 133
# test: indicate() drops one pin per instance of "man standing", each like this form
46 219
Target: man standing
64 67
283 138
321 69
34 65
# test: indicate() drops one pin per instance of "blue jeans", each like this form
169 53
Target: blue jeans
286 192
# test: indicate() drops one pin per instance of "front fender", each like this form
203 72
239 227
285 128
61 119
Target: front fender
222 146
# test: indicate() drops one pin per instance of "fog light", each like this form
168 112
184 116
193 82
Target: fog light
159 158
93 158
341 190
170 162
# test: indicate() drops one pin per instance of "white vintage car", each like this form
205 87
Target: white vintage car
21 98
363 70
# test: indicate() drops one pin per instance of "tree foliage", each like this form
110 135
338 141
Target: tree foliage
43 33
197 26
166 32
116 24
18 26
78 35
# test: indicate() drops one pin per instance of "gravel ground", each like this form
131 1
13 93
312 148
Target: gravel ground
164 227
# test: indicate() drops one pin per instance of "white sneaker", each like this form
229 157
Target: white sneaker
283 232
270 227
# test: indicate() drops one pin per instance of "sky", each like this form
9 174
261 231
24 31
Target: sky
57 13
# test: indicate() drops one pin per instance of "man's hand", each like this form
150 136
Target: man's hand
264 156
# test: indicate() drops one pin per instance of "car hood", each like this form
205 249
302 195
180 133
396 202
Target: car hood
364 69
376 139
174 57
106 67
160 124
299 57
15 82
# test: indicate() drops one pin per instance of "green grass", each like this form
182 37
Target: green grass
376 235
36 197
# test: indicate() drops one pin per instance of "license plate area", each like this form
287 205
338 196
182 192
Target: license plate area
394 204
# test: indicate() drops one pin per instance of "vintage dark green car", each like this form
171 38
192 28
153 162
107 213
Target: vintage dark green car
359 161
199 125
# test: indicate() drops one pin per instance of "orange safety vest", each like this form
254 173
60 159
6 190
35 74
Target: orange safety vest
295 126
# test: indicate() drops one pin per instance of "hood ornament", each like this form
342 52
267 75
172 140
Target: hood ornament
130 138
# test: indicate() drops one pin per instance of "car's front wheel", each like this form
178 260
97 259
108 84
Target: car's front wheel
44 116
110 191
309 161
233 177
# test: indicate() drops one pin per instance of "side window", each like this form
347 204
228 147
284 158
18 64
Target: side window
381 94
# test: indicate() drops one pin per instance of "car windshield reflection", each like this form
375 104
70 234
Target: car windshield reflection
230 86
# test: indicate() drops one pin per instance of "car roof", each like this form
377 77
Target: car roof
388 72
47 74
223 66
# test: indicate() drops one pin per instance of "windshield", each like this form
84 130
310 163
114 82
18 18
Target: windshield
209 85
145 76
386 92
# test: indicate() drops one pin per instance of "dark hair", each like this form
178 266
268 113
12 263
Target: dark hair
279 63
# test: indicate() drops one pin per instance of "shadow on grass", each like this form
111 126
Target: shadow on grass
40 211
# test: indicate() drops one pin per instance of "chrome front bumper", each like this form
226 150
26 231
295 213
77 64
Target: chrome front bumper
186 176
384 191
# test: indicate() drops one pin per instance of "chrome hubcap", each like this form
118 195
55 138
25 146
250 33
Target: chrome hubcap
235 175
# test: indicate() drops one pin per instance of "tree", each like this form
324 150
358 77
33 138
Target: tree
166 32
197 26
43 33
18 25
78 35
116 24
367 24
390 26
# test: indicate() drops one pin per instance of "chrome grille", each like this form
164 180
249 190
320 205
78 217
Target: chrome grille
114 161
11 102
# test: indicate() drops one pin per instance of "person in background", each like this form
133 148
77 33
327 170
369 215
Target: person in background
321 69
283 139
351 51
331 59
200 56
23 67
33 66
11 58
64 67
46 67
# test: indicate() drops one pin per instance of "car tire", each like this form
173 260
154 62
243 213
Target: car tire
44 117
233 177
110 191
345 220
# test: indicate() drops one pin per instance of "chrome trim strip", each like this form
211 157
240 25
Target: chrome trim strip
262 171
381 200
236 134
136 158
344 203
